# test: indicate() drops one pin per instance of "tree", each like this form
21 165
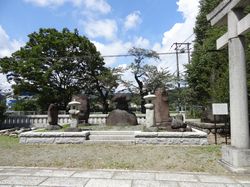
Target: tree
156 78
55 65
105 84
207 74
2 108
147 77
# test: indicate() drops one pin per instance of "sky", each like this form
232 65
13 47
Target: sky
114 26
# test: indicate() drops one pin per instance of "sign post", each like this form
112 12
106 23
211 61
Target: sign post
218 109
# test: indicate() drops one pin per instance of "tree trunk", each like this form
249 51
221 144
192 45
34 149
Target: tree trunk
105 107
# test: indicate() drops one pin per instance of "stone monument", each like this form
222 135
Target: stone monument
121 115
53 117
162 117
84 108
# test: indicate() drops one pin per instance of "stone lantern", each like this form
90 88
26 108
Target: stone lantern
74 113
150 114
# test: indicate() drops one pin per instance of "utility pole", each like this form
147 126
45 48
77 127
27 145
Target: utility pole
177 51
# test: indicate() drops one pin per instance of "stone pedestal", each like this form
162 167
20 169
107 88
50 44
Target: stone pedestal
235 159
150 112
74 122
150 115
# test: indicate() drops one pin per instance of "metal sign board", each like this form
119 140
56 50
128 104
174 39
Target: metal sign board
220 108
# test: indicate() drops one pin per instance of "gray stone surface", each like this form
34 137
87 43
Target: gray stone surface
118 178
94 174
217 178
62 181
53 173
134 175
199 184
152 183
108 183
236 159
23 180
176 177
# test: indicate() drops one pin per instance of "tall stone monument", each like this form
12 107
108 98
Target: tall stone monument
84 107
53 117
231 12
162 117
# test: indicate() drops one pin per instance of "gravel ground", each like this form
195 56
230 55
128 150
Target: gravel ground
106 156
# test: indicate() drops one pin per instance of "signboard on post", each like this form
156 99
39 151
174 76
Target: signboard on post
220 108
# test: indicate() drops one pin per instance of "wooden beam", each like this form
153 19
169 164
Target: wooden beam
222 42
244 25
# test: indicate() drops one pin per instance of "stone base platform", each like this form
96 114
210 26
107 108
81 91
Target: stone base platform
236 160
53 137
195 137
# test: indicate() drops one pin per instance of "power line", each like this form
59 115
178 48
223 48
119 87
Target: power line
103 56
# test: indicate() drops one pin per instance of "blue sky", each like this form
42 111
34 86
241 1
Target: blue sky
113 26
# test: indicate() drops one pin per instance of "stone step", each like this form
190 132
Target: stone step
112 132
126 142
111 137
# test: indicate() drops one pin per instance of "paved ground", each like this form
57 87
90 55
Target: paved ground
21 176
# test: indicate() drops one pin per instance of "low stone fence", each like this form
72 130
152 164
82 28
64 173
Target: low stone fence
41 121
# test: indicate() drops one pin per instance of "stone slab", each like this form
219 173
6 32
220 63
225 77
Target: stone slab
63 181
215 179
176 177
53 173
69 140
23 180
199 184
112 132
111 137
152 183
108 183
134 175
54 134
94 174
172 141
123 142
243 179
16 172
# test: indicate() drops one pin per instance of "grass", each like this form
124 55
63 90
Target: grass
109 156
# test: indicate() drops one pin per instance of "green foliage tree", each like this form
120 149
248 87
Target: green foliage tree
147 77
207 74
2 109
55 65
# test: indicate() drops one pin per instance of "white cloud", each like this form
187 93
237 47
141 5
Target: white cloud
44 3
8 46
132 20
100 6
114 48
141 42
178 33
106 28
